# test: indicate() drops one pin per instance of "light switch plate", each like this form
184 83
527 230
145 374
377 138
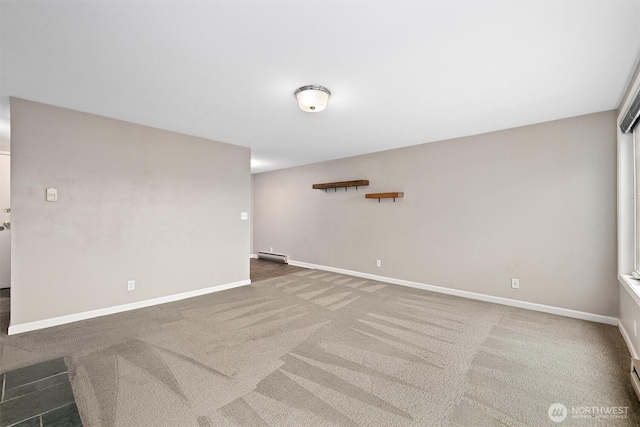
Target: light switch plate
52 194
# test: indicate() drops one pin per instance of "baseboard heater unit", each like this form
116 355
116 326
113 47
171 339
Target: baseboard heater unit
635 377
274 257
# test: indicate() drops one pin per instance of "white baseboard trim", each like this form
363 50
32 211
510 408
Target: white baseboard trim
55 321
471 295
253 256
627 340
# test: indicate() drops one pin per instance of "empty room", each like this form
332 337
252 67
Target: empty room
337 213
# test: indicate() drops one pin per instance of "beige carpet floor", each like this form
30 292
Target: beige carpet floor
315 348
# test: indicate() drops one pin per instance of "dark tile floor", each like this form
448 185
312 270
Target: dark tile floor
38 395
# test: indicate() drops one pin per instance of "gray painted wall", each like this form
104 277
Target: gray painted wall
535 203
135 203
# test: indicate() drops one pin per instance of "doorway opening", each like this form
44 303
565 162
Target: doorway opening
5 240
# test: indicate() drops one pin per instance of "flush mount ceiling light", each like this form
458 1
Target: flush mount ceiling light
312 98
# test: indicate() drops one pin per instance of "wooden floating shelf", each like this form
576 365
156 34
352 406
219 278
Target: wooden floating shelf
394 196
341 184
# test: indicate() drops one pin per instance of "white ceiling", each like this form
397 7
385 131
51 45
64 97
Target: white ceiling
400 72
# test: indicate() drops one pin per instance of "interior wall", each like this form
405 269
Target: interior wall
134 203
629 289
251 252
535 203
630 312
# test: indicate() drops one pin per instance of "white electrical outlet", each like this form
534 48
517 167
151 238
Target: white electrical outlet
244 215
131 285
378 263
271 249
635 328
515 283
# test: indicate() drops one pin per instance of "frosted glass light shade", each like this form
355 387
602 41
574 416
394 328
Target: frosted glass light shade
312 98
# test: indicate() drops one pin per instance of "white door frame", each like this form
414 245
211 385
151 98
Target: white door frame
8 154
